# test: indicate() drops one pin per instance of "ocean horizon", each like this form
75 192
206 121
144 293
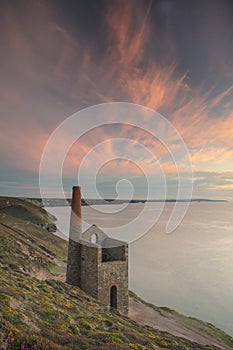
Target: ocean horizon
189 270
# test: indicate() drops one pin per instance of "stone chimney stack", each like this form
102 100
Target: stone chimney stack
74 249
76 215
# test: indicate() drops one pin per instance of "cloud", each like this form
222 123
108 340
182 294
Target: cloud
129 28
50 72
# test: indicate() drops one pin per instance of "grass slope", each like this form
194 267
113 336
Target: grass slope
23 209
38 311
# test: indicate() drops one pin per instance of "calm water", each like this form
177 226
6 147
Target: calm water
190 270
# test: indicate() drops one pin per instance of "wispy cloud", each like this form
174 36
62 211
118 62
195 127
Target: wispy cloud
49 72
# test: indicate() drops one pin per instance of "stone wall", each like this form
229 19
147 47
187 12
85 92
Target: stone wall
95 269
94 230
73 272
89 269
114 273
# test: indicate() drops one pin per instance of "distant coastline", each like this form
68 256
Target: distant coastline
59 202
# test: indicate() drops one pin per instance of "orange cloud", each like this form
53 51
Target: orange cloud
62 76
128 45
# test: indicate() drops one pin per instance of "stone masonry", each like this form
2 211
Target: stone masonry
96 263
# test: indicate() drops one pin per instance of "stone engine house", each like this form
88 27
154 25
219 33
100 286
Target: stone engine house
97 263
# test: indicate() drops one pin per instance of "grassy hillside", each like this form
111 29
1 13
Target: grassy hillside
27 210
38 311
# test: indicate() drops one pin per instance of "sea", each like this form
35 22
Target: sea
189 270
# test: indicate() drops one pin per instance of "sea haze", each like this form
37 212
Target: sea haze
189 270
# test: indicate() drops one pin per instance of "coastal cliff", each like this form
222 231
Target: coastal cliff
40 311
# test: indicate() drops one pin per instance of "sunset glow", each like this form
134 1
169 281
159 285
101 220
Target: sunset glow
175 60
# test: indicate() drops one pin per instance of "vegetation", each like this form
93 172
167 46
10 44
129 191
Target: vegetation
39 311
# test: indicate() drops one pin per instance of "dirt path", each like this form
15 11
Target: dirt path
148 315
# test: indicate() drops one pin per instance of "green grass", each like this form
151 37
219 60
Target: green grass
23 209
37 309
64 316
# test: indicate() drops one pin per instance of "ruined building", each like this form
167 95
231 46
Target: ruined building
96 263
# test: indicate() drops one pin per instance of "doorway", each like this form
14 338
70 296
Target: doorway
113 297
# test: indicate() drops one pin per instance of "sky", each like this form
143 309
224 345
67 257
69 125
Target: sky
174 57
